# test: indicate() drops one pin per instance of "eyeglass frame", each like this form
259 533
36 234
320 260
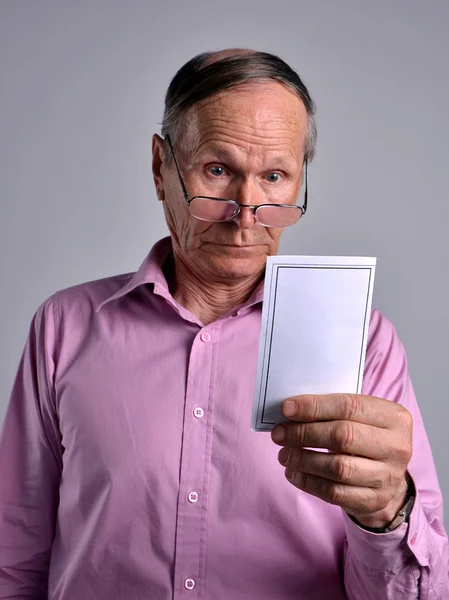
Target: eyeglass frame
253 207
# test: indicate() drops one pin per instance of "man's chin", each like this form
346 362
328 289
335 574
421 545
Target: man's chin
237 266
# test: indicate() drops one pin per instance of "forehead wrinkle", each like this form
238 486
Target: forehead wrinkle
250 110
278 137
260 133
261 119
252 144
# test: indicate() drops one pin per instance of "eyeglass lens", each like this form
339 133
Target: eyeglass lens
208 209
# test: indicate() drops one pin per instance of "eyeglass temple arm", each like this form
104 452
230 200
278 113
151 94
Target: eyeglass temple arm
304 208
184 191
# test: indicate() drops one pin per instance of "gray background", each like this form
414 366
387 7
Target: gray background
81 92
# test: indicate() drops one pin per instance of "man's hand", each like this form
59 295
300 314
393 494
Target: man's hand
370 444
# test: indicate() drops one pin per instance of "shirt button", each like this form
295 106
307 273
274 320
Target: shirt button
205 337
193 497
413 540
198 412
189 584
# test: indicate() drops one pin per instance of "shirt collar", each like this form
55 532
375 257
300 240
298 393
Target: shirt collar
150 272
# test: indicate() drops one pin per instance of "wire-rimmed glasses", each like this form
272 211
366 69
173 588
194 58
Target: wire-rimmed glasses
209 208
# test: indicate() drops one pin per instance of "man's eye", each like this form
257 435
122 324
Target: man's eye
217 171
273 177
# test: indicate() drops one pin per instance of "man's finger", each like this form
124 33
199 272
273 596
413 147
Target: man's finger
351 498
341 468
346 407
343 437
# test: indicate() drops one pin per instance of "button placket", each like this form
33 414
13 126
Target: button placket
195 465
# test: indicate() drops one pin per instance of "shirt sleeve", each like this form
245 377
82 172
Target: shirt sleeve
30 467
411 561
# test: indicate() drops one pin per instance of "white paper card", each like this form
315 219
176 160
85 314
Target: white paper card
315 320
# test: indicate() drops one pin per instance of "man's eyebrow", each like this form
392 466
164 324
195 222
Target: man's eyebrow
277 160
218 152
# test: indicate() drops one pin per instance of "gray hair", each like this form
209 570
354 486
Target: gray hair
209 73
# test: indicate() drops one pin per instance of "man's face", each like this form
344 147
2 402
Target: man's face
245 145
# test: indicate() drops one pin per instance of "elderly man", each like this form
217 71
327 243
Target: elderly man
128 467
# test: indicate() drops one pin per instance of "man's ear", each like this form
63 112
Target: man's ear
158 150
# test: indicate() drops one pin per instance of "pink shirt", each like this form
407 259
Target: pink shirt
129 471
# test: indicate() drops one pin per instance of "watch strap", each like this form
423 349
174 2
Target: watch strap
401 516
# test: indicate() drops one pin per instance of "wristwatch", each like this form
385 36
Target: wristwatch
401 516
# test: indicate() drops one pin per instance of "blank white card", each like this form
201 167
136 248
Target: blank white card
315 320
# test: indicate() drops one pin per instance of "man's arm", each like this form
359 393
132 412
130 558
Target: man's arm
30 467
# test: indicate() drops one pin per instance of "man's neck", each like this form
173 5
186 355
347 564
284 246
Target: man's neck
207 300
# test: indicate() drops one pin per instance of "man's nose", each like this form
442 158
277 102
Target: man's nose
247 194
245 219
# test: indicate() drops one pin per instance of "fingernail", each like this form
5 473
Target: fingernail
278 434
289 408
284 455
